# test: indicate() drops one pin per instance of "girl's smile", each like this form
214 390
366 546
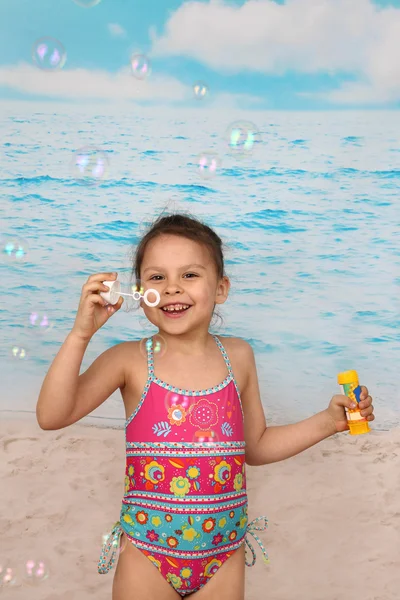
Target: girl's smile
175 311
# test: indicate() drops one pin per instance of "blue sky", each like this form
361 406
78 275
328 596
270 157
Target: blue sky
261 54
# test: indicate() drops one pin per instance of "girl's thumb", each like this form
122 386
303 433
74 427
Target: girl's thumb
113 308
119 303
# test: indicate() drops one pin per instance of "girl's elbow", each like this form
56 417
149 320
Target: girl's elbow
253 461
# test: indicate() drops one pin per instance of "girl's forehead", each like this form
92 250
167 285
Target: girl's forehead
175 252
169 247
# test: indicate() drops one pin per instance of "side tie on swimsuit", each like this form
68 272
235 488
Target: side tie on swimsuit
113 541
111 544
251 528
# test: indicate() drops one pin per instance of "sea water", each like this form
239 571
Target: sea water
309 218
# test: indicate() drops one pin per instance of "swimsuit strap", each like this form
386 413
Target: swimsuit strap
251 528
150 357
224 354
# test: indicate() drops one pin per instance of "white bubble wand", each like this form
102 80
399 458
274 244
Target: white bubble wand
113 295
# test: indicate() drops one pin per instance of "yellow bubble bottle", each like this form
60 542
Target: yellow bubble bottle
348 380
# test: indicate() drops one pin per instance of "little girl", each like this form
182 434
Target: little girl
194 418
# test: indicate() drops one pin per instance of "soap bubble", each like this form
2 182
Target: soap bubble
14 249
8 575
159 346
49 54
205 437
34 572
19 352
200 90
90 165
39 322
208 164
242 137
87 3
141 66
137 288
150 296
173 399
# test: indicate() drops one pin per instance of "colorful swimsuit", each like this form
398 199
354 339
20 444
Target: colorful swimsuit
185 503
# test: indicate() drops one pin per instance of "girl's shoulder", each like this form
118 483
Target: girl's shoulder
234 342
236 346
131 351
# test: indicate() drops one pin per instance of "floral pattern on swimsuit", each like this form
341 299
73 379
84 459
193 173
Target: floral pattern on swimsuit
185 502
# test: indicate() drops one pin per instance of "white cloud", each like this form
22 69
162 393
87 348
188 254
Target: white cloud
307 36
83 84
116 30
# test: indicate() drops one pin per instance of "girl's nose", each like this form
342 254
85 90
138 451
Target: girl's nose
173 288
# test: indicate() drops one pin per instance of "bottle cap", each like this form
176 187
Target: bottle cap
347 377
357 428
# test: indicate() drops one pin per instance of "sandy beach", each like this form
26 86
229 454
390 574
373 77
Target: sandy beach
334 514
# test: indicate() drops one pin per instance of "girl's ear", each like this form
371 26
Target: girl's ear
222 290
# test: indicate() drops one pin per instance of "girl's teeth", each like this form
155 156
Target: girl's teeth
175 309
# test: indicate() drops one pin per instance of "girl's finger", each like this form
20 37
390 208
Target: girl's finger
119 303
102 277
97 299
365 403
94 286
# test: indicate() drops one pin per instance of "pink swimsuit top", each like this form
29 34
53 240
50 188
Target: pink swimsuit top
185 454
170 414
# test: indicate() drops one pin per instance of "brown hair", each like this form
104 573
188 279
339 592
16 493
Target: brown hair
184 226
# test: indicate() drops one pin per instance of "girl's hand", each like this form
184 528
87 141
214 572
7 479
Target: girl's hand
93 310
337 412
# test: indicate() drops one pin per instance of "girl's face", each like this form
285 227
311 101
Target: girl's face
184 274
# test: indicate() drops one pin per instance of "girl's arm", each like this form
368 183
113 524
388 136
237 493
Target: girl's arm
65 396
279 442
274 443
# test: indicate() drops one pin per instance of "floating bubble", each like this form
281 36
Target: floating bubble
49 54
90 165
242 136
8 575
173 399
208 164
137 290
159 345
39 322
34 571
205 437
141 66
150 296
200 90
19 352
87 3
14 249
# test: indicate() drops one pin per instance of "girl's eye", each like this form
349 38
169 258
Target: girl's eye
153 277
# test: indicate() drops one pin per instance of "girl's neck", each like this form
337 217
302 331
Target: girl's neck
191 344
